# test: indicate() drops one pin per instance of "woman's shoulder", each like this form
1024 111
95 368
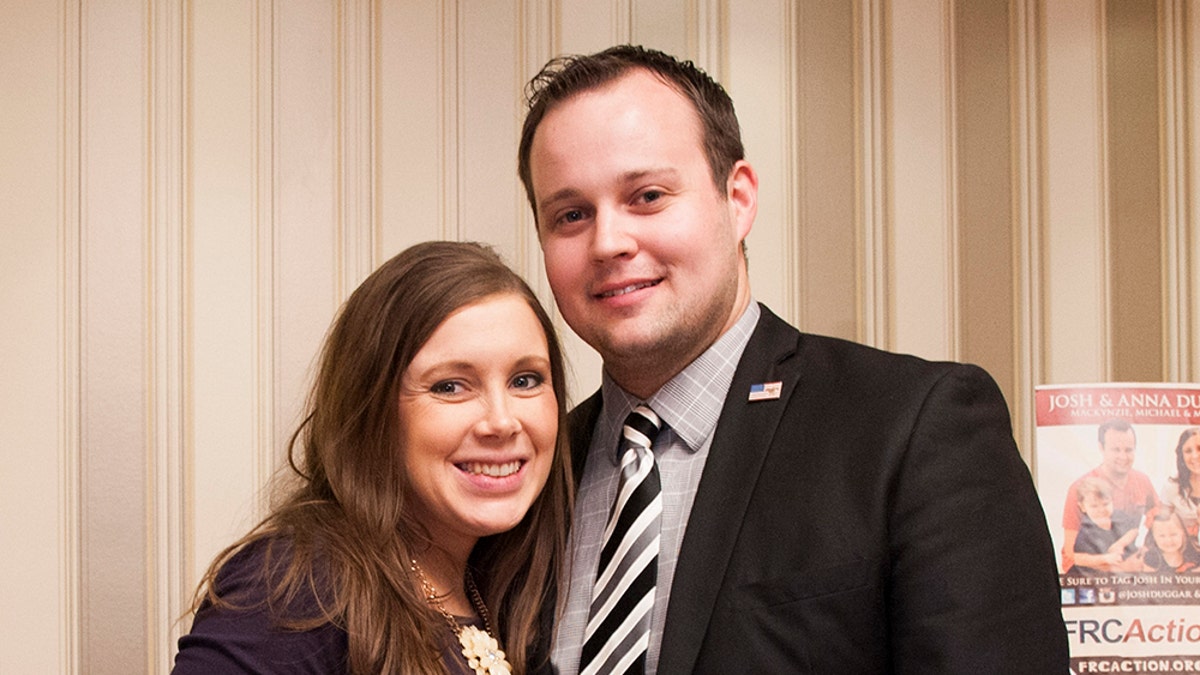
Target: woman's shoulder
260 624
1170 487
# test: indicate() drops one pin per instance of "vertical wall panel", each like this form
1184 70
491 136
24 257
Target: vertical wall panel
355 47
223 287
872 166
986 311
1075 342
39 370
760 71
1190 317
1136 247
587 26
489 109
662 24
115 352
308 274
1177 200
409 149
1027 85
924 289
166 387
826 272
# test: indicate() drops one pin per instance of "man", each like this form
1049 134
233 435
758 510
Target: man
1133 496
825 507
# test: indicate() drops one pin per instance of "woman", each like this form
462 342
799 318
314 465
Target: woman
1182 492
429 512
1168 548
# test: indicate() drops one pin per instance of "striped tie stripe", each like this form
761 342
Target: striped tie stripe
618 630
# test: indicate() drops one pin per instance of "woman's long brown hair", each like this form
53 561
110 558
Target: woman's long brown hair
342 531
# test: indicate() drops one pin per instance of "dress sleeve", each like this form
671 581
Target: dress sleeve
248 638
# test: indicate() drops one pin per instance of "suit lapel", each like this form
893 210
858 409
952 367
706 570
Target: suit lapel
580 425
743 436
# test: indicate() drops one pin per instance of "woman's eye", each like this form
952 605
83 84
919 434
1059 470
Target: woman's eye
527 381
447 387
651 195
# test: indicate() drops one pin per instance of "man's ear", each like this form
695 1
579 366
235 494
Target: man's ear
741 191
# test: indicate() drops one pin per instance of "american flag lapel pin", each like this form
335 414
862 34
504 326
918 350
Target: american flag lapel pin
765 391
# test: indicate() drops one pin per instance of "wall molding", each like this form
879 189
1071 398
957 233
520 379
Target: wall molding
953 227
266 351
1028 80
70 339
165 535
1105 194
873 220
793 167
451 97
355 68
1176 199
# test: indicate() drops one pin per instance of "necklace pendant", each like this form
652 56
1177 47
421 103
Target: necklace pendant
483 652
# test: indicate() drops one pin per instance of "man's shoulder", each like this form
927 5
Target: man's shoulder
842 354
846 365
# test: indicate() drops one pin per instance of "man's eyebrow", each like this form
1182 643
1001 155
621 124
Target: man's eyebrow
633 176
653 172
560 195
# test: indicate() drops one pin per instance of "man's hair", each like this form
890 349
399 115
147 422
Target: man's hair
565 76
1114 425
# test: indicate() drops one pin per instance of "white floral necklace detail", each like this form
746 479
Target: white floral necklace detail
481 650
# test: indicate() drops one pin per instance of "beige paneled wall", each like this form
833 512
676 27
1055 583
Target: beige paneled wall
191 188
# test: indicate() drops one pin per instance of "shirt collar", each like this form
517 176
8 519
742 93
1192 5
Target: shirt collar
689 403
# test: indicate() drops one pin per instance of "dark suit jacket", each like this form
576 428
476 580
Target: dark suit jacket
876 518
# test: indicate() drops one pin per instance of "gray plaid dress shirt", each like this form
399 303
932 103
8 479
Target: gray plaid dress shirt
689 405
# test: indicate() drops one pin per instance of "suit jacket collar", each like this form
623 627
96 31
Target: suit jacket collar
744 434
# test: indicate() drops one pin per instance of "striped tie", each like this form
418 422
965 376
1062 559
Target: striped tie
618 629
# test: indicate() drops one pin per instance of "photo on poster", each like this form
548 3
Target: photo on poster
1118 473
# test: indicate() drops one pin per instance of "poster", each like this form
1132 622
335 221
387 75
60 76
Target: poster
1118 473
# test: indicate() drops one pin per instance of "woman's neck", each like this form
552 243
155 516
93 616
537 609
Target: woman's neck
445 573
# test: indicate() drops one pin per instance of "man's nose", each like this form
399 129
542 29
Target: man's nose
613 235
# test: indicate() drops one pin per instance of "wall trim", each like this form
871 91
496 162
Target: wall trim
950 162
166 576
355 67
871 139
70 339
1176 198
1028 81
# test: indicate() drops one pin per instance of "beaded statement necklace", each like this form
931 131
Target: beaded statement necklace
481 650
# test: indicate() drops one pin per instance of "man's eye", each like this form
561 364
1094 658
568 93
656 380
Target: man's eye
651 195
572 216
527 381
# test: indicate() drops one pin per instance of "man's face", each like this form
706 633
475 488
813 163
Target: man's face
642 251
1117 452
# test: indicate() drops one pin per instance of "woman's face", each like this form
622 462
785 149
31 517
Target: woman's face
479 420
1168 534
1191 454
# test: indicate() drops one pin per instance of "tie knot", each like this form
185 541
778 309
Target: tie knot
641 427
